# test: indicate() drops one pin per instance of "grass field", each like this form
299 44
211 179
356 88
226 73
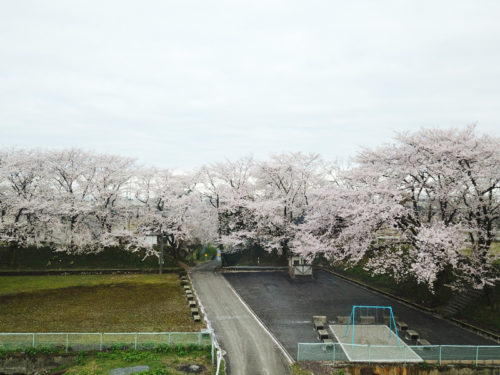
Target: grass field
159 363
94 303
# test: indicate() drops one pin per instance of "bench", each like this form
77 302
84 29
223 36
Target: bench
192 304
319 318
402 326
186 287
195 311
343 319
319 321
184 282
322 334
319 325
412 335
367 320
196 318
188 291
189 297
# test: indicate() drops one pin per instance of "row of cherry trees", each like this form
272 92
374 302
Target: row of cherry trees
426 206
77 201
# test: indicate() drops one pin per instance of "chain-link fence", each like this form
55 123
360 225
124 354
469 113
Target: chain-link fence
442 354
101 341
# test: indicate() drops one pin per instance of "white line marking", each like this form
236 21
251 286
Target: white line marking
341 345
285 353
417 358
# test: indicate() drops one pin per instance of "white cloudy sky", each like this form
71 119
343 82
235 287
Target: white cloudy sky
182 83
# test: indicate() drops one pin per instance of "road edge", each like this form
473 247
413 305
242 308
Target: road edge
287 355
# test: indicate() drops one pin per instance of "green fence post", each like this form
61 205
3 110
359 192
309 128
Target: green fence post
369 352
135 341
100 342
67 342
404 354
477 354
440 350
298 352
199 338
334 351
169 338
33 340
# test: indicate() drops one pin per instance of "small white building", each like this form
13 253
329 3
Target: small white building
150 239
297 266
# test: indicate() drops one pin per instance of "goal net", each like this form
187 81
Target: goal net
363 316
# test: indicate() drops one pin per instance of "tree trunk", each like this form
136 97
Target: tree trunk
13 256
161 254
490 295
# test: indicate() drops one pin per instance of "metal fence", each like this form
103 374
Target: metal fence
440 354
101 341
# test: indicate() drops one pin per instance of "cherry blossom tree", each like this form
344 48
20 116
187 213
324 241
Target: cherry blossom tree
427 204
112 173
229 189
283 185
24 213
170 209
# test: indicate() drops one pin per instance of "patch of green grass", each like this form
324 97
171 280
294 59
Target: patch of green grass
29 284
160 362
483 313
94 303
298 370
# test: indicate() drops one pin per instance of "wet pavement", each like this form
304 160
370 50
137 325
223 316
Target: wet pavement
286 307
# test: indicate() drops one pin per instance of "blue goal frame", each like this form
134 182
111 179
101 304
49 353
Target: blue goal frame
391 320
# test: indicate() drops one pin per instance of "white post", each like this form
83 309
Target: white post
298 352
440 348
67 342
334 351
169 338
33 340
199 338
477 354
100 342
135 341
212 343
369 352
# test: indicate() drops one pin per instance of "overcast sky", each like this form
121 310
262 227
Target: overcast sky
178 84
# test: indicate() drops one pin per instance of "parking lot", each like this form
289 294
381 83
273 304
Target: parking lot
286 307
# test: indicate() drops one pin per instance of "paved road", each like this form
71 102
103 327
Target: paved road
250 348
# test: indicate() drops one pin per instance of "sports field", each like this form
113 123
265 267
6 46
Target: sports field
94 303
286 307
